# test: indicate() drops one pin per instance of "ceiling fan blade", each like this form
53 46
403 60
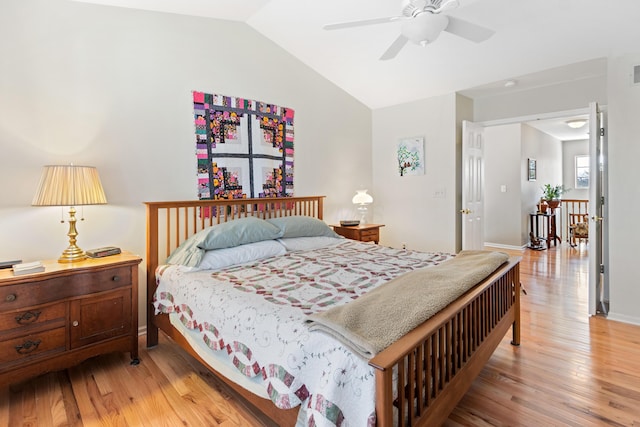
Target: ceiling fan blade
468 30
341 25
395 48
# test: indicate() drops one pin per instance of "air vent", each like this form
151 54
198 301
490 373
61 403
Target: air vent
636 74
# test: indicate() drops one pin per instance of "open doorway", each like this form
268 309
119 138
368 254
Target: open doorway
523 154
521 159
512 189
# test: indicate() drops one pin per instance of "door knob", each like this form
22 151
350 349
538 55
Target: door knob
465 211
597 218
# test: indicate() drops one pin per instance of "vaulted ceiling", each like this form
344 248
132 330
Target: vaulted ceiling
536 43
530 36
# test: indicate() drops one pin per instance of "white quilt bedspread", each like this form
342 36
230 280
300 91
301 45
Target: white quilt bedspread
256 312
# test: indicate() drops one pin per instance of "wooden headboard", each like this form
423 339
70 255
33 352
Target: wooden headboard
171 223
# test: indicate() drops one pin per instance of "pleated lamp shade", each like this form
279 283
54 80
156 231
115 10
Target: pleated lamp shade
69 185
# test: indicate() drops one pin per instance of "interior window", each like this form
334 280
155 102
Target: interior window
582 172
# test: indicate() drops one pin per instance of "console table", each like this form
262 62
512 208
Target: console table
543 226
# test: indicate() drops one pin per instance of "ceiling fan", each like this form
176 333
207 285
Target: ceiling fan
423 23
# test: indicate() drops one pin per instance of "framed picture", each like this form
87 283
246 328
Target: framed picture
532 169
410 156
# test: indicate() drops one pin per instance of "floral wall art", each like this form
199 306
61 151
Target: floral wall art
411 156
244 147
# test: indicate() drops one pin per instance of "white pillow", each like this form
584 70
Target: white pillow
219 258
309 243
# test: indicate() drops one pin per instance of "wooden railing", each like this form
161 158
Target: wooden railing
571 206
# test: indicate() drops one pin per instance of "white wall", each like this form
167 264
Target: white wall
564 96
624 193
408 205
571 149
111 87
503 167
547 150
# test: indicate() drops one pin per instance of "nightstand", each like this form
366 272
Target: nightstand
70 312
364 232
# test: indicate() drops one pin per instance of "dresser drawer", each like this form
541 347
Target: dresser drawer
369 235
53 289
13 321
31 346
349 233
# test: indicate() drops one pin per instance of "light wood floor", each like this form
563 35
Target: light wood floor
570 370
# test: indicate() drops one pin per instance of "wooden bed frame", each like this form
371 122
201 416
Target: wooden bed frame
436 362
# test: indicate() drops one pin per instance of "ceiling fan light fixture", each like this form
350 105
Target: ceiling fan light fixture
576 123
425 28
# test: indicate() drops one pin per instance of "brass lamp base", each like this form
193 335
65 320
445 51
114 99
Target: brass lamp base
73 252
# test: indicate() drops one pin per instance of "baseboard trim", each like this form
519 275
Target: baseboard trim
501 246
623 318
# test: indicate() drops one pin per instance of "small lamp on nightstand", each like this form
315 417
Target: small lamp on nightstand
362 199
71 186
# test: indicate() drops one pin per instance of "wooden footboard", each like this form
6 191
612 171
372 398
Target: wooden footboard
421 377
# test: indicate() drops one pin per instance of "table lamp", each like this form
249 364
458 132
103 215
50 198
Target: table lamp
71 186
362 199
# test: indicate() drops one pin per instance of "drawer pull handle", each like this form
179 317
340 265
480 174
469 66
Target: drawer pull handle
115 278
28 346
28 317
11 298
75 323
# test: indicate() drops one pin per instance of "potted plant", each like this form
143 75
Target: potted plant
552 193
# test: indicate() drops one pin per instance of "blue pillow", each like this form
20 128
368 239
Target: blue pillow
302 226
226 235
188 253
239 232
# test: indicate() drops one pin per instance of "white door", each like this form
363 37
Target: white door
472 186
598 285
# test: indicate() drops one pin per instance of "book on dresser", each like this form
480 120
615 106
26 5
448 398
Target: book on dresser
9 264
103 252
27 268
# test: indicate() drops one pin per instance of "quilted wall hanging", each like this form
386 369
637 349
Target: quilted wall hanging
244 147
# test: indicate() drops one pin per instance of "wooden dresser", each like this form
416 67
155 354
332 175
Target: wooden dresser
55 319
364 232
